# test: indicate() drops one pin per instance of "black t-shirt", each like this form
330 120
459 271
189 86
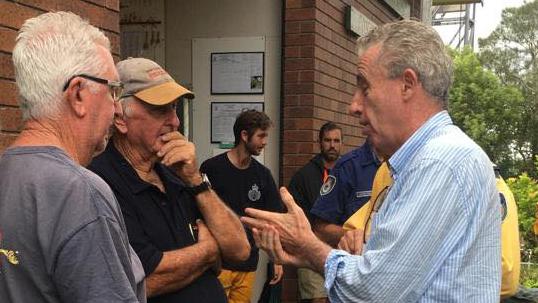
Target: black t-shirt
241 188
157 222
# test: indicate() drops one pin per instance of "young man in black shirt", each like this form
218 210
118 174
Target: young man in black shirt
241 181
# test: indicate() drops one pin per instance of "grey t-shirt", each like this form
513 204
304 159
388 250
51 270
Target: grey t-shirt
62 234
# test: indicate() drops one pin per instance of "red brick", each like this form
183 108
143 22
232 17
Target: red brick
298 112
14 14
307 51
308 26
291 76
298 135
299 3
290 148
291 100
306 100
97 16
298 88
297 160
113 5
306 76
7 39
308 147
292 51
6 66
97 2
8 95
43 5
10 119
299 39
114 41
298 63
292 27
298 123
5 140
299 14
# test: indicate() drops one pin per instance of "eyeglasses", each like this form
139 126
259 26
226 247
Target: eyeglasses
115 87
376 205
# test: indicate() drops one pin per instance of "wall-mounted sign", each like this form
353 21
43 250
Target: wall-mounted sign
223 116
358 23
237 73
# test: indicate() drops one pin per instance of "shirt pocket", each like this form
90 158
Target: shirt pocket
358 199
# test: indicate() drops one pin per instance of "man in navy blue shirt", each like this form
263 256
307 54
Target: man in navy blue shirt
347 188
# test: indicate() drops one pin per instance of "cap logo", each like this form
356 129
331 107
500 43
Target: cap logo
155 73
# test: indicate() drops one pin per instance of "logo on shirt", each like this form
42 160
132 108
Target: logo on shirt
254 193
328 186
10 255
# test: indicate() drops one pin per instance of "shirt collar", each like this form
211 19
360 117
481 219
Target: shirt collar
404 154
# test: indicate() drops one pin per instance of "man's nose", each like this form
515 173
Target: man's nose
355 108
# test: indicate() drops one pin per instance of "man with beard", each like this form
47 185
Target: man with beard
241 181
304 187
347 189
153 172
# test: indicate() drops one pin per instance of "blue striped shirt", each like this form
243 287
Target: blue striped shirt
436 238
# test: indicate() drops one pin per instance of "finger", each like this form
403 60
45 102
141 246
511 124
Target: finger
287 198
253 223
278 273
263 215
257 237
174 145
173 135
176 156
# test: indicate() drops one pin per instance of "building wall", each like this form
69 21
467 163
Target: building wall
102 13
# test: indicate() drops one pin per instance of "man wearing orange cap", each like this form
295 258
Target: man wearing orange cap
177 225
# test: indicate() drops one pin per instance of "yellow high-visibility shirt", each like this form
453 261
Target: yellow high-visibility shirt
361 219
509 241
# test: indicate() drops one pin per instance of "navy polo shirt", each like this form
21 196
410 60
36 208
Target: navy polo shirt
348 187
156 221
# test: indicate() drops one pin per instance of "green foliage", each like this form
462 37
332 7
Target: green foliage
485 109
511 52
529 276
525 190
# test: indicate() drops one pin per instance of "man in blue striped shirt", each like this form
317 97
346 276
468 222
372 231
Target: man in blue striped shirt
436 237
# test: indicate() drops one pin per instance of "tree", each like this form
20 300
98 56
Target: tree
511 53
485 109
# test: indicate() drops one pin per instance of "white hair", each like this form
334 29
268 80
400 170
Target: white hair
49 50
412 44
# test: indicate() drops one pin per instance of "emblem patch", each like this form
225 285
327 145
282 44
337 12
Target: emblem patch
504 210
11 255
328 186
254 193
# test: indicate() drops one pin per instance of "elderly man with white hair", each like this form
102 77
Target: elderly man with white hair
60 226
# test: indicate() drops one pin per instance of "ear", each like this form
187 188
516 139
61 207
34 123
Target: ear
244 135
410 83
119 123
74 95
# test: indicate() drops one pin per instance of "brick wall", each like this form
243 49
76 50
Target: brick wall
319 72
102 13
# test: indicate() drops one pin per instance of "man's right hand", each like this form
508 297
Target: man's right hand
352 241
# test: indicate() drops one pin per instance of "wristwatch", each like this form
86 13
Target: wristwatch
200 188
